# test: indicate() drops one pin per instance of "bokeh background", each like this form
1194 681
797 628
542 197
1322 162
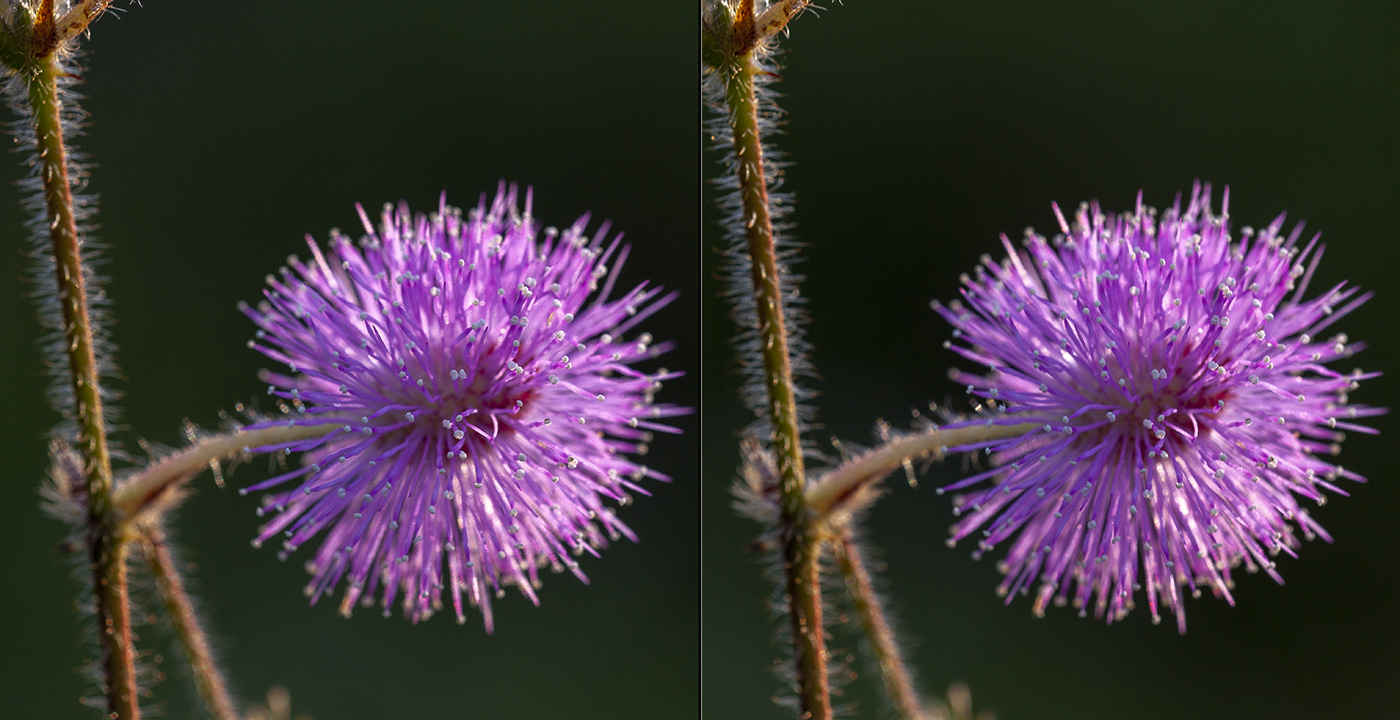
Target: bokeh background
918 132
225 132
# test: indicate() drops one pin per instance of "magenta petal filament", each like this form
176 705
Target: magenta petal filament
488 403
1180 379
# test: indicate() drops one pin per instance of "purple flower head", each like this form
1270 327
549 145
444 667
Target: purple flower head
1177 379
482 396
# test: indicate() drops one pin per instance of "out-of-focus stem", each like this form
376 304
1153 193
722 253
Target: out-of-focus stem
107 551
899 684
801 552
192 638
801 556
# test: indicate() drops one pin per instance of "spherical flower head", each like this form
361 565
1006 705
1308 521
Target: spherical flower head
482 400
1176 377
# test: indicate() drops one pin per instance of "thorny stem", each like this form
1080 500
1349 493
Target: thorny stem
107 551
177 604
825 495
737 67
899 684
158 481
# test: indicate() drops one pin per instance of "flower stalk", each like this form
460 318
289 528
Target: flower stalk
801 549
108 554
826 495
146 490
733 39
208 680
899 682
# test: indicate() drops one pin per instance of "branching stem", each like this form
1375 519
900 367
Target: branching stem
144 491
825 495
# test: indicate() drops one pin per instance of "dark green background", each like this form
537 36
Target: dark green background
223 133
918 131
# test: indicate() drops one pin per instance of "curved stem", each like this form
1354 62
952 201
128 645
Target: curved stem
106 546
207 678
826 495
899 683
147 488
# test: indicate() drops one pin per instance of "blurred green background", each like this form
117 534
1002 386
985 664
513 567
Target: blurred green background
225 132
920 130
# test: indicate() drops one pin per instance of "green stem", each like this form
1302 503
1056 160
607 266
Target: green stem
899 683
827 494
801 551
801 556
107 552
138 495
207 679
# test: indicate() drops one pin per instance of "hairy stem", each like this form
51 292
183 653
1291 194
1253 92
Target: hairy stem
78 18
107 551
825 495
801 551
144 491
207 678
899 684
803 568
737 67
